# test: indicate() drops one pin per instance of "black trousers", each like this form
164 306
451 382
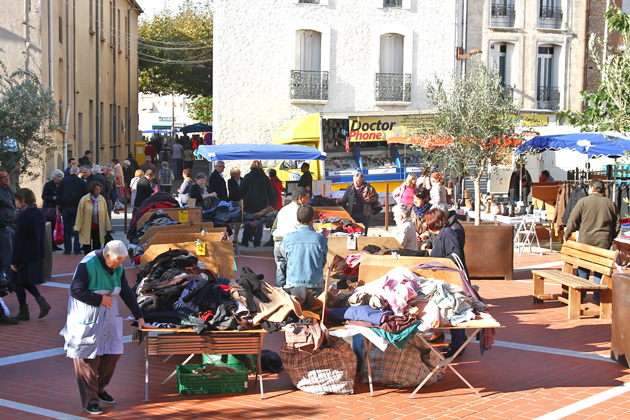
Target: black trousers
95 239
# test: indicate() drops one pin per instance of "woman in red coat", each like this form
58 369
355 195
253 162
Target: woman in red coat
277 205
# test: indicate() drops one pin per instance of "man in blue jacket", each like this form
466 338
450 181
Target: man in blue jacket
306 252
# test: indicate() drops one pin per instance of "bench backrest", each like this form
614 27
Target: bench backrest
575 254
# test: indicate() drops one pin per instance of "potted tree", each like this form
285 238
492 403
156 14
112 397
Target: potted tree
475 114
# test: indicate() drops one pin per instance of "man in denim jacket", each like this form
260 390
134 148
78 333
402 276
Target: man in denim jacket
306 252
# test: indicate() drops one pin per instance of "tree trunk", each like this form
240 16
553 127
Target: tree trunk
476 183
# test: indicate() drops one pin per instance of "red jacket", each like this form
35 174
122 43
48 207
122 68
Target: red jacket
278 186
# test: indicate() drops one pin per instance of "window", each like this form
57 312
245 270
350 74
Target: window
90 125
60 30
502 13
392 3
308 81
118 34
497 60
550 14
548 93
112 25
127 41
100 21
91 14
391 83
80 131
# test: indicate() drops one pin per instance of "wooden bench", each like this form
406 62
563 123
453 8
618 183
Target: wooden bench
574 255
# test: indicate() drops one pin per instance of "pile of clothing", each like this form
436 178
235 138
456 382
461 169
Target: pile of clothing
394 307
176 290
159 200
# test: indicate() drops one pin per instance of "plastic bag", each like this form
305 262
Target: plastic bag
58 235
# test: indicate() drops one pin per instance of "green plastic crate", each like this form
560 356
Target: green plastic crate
190 383
233 362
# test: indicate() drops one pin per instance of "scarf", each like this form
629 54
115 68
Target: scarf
95 208
421 210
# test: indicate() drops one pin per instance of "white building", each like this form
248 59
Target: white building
275 60
156 113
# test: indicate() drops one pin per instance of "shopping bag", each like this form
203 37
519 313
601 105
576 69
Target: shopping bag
58 235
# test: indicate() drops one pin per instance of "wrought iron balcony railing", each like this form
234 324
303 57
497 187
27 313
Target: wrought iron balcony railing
550 17
309 1
548 97
393 87
306 84
392 3
502 15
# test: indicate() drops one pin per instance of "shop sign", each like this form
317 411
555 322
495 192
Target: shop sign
382 127
530 120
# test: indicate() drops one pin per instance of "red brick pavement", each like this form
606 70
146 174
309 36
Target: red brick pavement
514 382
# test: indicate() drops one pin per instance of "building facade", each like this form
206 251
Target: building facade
86 52
275 60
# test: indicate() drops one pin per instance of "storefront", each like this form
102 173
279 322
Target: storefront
354 142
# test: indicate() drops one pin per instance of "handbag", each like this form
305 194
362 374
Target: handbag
58 235
50 213
376 208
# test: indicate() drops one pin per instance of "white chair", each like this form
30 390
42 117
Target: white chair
526 234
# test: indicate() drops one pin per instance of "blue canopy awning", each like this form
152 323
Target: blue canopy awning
592 144
196 128
246 151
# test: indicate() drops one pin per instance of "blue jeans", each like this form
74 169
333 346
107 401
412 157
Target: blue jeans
281 264
583 273
69 216
177 168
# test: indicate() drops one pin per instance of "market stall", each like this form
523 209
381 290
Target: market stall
188 215
179 228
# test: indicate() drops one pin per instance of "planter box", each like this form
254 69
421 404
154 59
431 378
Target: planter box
489 250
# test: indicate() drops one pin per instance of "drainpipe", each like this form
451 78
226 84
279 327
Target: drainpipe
114 108
128 116
97 136
50 47
464 34
605 39
69 90
585 65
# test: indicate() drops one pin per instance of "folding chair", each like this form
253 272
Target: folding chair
526 234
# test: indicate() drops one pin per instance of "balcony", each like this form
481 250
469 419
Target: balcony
392 3
502 15
392 87
550 17
548 97
306 84
309 1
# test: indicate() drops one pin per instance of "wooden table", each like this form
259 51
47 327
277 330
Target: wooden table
171 341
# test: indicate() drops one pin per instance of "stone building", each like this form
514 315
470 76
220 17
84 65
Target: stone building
86 51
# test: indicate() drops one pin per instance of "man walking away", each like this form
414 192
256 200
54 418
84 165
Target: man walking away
597 221
166 178
70 191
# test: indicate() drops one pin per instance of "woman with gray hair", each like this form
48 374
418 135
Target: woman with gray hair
405 232
49 207
94 327
200 193
358 200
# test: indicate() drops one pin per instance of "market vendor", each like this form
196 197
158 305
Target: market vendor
93 330
305 252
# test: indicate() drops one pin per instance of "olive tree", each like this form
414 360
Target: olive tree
28 118
475 114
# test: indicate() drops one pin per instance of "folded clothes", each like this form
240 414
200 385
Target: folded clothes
357 313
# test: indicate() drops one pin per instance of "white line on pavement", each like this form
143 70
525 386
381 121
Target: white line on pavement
551 350
535 267
55 284
586 403
38 410
35 355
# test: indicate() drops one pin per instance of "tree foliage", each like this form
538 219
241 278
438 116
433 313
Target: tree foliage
28 118
607 109
202 111
475 113
175 51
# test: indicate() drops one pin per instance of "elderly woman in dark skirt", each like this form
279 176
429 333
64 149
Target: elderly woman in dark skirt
28 253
